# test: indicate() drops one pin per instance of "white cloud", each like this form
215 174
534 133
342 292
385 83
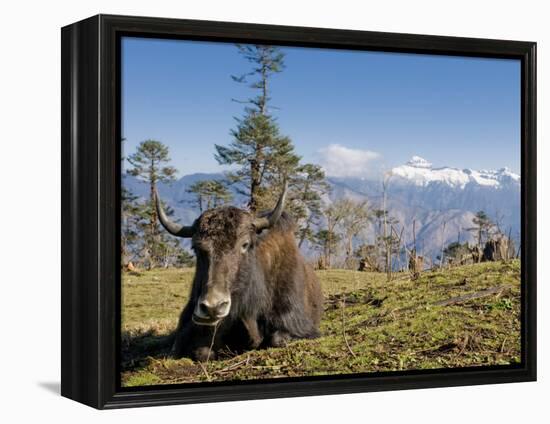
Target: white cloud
341 161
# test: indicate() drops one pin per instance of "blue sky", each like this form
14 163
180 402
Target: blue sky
354 112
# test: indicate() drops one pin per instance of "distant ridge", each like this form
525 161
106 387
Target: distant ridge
420 172
417 191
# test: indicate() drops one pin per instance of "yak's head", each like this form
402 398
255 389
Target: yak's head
222 239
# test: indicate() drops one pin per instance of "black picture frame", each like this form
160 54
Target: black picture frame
91 204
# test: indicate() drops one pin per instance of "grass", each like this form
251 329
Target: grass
369 325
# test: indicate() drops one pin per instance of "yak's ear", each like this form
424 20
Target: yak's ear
271 218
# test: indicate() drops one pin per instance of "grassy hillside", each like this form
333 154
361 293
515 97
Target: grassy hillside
369 325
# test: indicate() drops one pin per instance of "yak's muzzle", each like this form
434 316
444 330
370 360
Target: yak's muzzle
211 310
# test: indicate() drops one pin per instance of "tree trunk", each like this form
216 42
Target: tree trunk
327 254
479 245
152 225
349 250
255 164
304 232
254 183
264 92
153 221
387 244
329 249
441 254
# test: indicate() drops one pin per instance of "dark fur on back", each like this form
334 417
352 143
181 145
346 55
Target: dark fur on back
275 295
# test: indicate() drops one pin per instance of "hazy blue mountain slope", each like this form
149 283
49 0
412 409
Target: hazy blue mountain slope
432 197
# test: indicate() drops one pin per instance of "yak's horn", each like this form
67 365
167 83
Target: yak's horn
171 227
271 219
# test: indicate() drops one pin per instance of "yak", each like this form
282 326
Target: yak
252 288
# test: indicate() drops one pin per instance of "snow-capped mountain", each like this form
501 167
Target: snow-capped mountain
442 201
418 183
421 173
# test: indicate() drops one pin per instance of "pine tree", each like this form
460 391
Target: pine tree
387 240
172 253
482 227
130 225
262 153
307 187
210 194
456 251
184 259
149 165
333 215
218 194
327 242
367 254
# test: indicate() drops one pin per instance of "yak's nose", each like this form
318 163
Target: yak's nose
214 310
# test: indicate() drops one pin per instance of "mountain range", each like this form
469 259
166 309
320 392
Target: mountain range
442 201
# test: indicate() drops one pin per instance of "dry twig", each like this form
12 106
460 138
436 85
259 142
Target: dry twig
344 328
234 366
205 366
205 371
476 295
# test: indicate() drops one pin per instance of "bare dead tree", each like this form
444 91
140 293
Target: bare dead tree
385 184
498 222
442 254
414 234
353 218
333 214
397 247
413 253
415 262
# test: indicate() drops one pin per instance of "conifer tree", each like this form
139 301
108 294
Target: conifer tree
130 225
482 227
149 165
329 238
308 186
327 242
265 157
263 154
210 194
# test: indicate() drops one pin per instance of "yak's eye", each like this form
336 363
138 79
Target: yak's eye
244 247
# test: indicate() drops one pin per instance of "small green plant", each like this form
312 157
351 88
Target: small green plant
503 304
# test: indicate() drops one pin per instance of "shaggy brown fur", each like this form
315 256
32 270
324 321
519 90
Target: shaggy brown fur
275 295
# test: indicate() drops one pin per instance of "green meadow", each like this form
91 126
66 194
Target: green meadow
457 317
